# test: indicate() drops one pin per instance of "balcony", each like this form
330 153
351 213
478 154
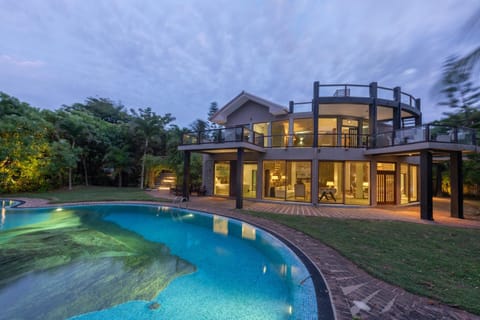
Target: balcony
236 135
426 133
427 136
441 137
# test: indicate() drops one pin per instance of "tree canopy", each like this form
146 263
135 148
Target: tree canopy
97 142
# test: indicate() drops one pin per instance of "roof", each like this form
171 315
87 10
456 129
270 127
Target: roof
221 115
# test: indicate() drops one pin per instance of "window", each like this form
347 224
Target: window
287 180
222 179
357 182
330 181
303 129
327 132
280 133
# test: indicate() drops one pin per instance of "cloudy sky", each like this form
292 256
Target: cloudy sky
178 56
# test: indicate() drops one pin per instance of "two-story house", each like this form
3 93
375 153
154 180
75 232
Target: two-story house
349 145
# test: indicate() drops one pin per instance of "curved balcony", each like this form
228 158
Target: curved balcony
444 137
360 94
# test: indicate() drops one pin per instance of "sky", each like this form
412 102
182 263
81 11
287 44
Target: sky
179 56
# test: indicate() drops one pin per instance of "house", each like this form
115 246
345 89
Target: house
362 145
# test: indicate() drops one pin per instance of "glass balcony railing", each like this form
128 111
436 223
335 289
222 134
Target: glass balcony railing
223 135
425 133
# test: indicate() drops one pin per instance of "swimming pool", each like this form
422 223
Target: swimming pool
148 262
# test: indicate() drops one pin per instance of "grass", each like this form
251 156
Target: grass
433 261
91 193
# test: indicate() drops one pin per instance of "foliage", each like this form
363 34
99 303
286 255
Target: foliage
462 96
149 125
96 142
24 148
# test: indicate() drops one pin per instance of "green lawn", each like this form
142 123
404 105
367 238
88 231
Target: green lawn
438 262
81 194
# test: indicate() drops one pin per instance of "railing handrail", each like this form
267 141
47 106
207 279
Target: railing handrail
422 133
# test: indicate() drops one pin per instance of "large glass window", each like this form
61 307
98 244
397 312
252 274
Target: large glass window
287 180
413 183
303 129
327 132
357 182
280 133
384 119
403 183
249 180
350 133
330 181
222 178
262 130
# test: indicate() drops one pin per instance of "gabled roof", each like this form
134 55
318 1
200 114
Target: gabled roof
221 115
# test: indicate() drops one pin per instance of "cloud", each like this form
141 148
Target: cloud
179 57
7 60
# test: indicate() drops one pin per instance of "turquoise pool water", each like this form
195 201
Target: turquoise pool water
239 271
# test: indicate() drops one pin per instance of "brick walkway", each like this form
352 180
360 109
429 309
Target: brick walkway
354 293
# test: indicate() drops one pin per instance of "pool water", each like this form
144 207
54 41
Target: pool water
227 269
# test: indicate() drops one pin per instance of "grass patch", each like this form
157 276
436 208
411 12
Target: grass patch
433 261
91 193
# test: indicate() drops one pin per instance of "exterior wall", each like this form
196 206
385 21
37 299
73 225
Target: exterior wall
207 173
250 112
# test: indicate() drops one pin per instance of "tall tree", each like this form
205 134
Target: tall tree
461 93
119 159
24 147
149 125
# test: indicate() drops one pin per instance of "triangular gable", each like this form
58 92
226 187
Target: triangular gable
221 115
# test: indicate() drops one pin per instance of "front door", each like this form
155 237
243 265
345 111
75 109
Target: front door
385 187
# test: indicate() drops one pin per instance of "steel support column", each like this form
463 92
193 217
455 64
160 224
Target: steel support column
186 174
315 107
426 185
456 185
397 112
372 115
239 180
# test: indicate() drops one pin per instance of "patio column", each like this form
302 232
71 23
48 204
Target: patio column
239 178
315 107
372 115
186 175
397 112
418 120
456 185
426 185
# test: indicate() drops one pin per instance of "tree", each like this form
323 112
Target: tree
119 159
24 147
63 156
148 125
463 96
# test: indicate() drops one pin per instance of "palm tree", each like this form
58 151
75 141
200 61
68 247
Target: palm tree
148 125
119 159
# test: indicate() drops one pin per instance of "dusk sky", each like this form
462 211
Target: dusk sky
178 56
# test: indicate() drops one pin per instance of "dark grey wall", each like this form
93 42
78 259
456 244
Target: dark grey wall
249 112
